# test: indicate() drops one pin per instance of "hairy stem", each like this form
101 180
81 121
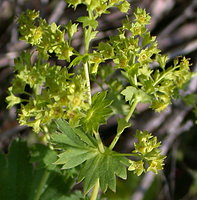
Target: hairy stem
95 191
86 70
115 140
97 136
41 185
88 82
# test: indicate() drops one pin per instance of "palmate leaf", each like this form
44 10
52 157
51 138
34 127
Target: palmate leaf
79 147
72 137
75 156
105 167
83 149
97 114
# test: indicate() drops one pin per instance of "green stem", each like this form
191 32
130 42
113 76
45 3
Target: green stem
86 70
125 154
164 74
97 136
99 141
131 110
115 140
95 191
41 185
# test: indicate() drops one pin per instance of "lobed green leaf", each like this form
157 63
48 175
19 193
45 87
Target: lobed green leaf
98 112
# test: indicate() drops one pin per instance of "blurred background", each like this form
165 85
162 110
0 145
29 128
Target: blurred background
174 22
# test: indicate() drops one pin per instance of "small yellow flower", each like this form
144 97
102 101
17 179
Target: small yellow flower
137 167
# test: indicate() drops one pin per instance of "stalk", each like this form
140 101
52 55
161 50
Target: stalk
131 110
97 136
125 154
41 185
86 70
88 82
95 191
115 140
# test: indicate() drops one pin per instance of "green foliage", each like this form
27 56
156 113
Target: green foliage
132 93
127 67
80 148
43 156
16 173
97 113
19 179
104 167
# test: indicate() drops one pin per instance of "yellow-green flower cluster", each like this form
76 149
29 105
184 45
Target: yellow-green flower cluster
47 38
147 148
166 82
135 55
101 6
55 93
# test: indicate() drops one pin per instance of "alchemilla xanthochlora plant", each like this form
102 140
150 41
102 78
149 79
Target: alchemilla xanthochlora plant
60 104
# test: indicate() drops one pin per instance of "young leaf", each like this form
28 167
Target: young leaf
75 61
122 124
71 29
97 113
131 92
87 21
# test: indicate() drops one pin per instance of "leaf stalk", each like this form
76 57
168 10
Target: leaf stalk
95 191
86 70
116 138
131 110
